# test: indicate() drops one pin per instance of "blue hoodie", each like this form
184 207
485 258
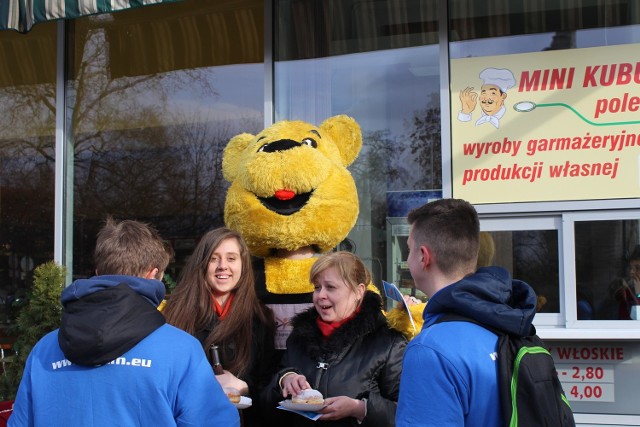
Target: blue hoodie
115 362
450 372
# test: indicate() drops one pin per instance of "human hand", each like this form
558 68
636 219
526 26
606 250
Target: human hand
293 384
339 407
468 98
411 300
228 380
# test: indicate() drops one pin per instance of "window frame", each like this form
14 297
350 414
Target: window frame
565 325
541 222
605 329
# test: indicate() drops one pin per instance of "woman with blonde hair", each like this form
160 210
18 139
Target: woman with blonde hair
343 348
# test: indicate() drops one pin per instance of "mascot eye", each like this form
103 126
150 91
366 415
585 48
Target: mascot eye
310 142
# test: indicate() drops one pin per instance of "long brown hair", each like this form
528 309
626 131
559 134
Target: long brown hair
189 307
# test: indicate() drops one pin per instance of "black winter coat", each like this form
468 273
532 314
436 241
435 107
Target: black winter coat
262 365
362 359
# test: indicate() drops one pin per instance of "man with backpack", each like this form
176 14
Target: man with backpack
451 371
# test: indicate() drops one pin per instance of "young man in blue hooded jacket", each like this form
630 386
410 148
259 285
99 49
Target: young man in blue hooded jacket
450 371
114 361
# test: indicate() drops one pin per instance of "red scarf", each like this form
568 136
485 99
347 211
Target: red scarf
327 328
222 311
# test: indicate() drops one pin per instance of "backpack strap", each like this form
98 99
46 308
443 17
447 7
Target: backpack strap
455 317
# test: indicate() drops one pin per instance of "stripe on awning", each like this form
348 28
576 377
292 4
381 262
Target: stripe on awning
21 15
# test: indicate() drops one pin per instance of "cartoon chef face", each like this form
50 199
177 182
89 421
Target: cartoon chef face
491 99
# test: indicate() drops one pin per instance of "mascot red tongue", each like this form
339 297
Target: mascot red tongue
285 194
292 198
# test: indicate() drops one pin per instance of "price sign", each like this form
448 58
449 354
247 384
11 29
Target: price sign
585 373
582 382
603 392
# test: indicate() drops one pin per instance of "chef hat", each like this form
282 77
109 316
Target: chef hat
500 77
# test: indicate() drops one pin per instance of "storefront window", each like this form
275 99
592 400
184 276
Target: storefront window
505 47
530 256
376 61
27 157
530 251
499 27
155 95
607 269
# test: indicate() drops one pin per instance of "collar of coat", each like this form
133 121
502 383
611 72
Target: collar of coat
307 335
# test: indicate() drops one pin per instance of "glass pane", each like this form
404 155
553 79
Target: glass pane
376 61
398 269
519 27
27 156
485 35
530 256
156 94
607 269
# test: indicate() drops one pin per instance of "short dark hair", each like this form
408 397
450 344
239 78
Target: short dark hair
451 228
130 248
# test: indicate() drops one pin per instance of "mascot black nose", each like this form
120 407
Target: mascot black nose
280 145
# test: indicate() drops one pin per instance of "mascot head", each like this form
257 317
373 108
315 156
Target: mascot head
290 187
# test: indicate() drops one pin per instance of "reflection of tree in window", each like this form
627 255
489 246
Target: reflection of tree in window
27 150
535 256
122 147
144 147
425 144
375 168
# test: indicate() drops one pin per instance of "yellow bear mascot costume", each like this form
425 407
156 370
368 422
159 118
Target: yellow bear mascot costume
291 197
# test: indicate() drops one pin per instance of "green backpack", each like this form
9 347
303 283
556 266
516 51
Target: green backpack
531 394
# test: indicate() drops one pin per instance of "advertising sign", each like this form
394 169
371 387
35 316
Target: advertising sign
599 377
547 126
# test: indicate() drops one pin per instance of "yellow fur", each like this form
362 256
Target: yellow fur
399 320
331 212
306 161
288 276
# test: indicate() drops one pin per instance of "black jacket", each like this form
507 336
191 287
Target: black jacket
262 364
362 359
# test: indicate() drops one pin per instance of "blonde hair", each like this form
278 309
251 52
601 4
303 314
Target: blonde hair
486 249
350 268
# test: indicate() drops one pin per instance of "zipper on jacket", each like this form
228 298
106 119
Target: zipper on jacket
322 366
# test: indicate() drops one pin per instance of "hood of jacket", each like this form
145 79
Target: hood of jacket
307 333
105 316
151 289
491 297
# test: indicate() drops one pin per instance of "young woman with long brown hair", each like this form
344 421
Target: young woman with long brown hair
215 301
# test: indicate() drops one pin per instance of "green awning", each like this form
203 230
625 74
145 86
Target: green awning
21 15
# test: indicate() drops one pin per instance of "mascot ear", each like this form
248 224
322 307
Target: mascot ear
232 155
346 134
